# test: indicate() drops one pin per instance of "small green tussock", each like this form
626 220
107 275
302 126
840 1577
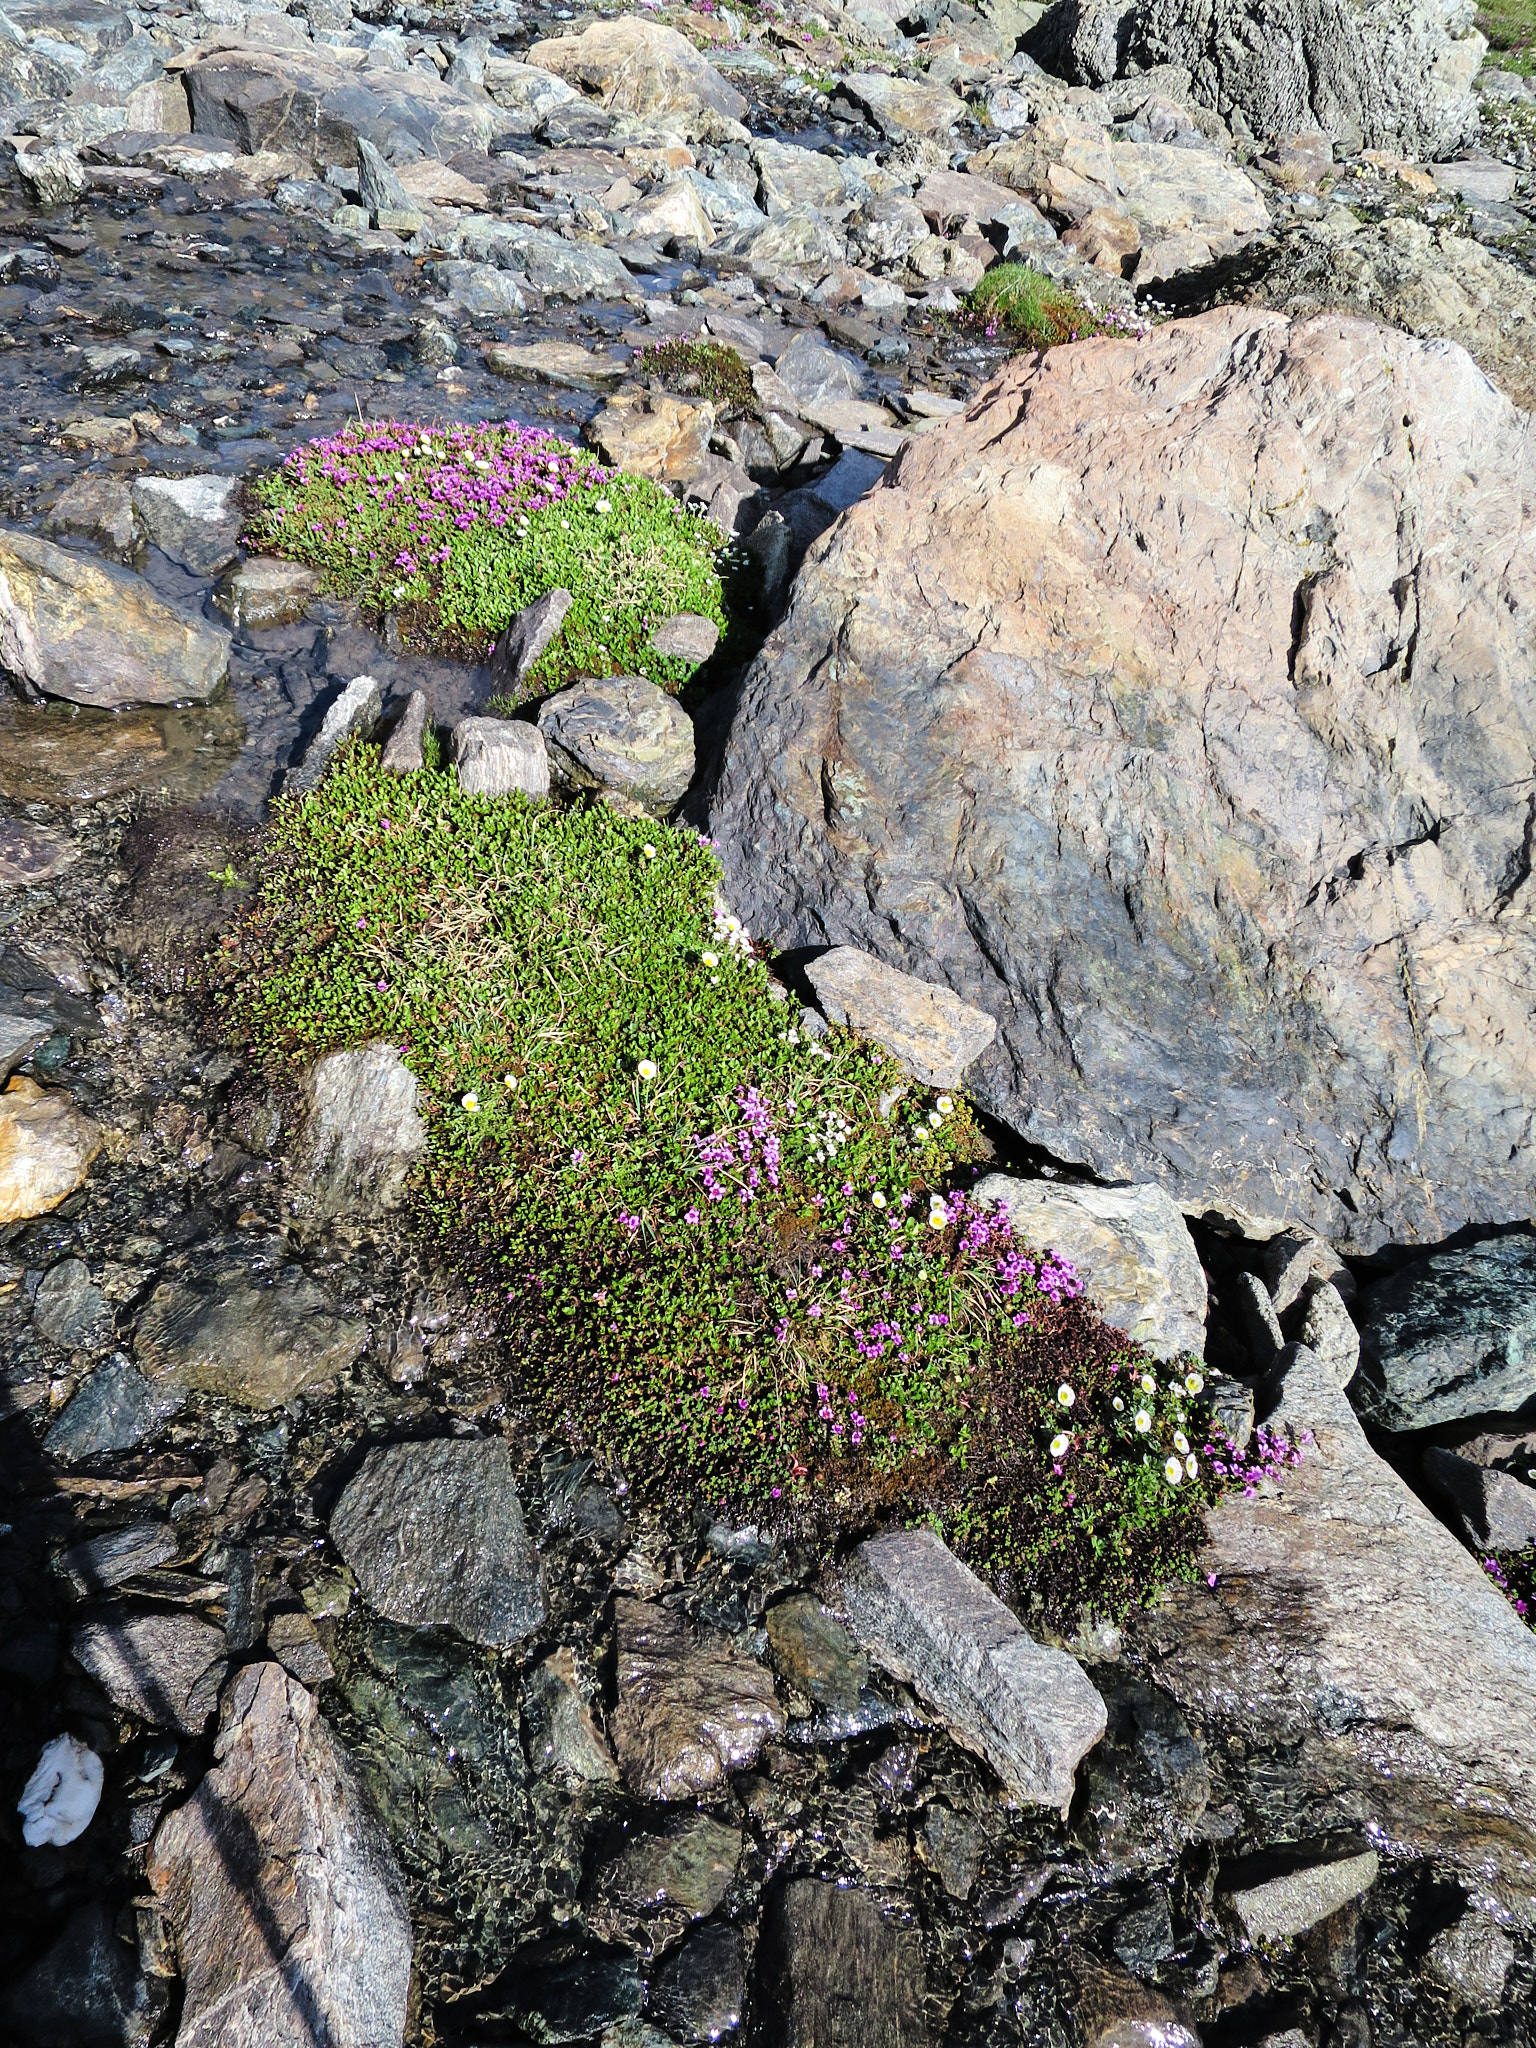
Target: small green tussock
455 529
1035 310
702 369
735 1259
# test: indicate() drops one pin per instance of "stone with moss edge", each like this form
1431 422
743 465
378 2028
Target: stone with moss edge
1029 1710
620 733
927 1027
500 757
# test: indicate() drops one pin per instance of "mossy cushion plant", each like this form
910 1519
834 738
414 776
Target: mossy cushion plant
454 529
1034 309
734 1258
702 368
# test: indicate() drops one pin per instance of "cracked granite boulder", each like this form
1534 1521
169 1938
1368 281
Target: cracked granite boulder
1173 705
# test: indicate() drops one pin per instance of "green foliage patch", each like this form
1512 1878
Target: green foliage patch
1510 26
703 369
455 529
735 1258
1035 310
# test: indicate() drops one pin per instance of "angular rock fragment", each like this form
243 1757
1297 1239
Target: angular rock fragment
106 1561
555 362
194 519
685 637
277 1878
1283 1906
164 1668
500 757
69 1311
526 637
115 1408
263 591
353 712
434 1534
690 1708
926 1026
1030 1711
1131 1248
46 1149
404 751
1494 1510
837 1971
1451 1337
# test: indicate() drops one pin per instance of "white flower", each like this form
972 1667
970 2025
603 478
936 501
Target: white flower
934 1118
944 1105
649 852
937 1219
711 959
647 1070
1148 1384
509 1080
1060 1445
1065 1396
1193 1382
602 505
793 1037
1191 1466
1119 1405
1180 1442
1173 1471
878 1199
1143 1421
471 1102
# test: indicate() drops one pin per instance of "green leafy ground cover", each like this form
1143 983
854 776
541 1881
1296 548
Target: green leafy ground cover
1510 26
454 529
714 1259
701 368
1015 299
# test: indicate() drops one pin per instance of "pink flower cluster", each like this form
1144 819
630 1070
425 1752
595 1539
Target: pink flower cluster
749 1157
1495 1572
855 1424
1270 1456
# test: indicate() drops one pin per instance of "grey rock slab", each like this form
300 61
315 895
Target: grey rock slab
686 636
363 1130
622 733
1131 1248
481 289
563 1733
700 1992
564 363
74 628
1266 1340
1328 1329
294 1641
932 1031
893 768
114 1409
164 1668
246 1327
691 1708
100 509
837 1971
1345 1614
193 519
435 1537
353 713
1288 1905
500 757
21 1033
106 1561
378 187
1494 1509
527 635
1029 1710
658 1883
1451 1337
814 373
69 1310
1292 1258
282 1892
404 750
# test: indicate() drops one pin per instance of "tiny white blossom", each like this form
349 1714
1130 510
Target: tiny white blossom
878 1199
1173 1471
1193 1382
1143 1421
647 1070
1064 1395
470 1101
1060 1445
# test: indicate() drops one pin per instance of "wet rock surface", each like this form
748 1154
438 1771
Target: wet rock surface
229 229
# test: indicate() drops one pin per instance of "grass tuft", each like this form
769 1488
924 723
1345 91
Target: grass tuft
454 529
702 369
1035 310
734 1259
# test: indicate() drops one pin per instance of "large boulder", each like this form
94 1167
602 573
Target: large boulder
305 103
70 627
620 733
277 1879
644 68
1174 705
1371 73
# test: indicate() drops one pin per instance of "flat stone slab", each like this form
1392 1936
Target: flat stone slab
164 1668
556 362
1131 1248
434 1534
927 1027
1029 1710
364 1131
1451 1337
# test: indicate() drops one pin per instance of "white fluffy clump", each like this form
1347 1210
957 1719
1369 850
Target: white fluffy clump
61 1796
